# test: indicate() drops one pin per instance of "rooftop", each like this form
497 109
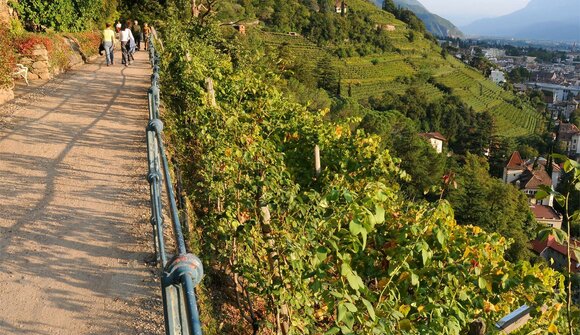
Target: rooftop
544 212
436 135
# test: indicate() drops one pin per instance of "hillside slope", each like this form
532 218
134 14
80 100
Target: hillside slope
434 23
416 63
540 20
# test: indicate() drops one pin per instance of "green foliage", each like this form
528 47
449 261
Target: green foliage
466 130
342 252
327 76
501 149
423 165
145 11
63 15
477 195
7 58
570 186
519 75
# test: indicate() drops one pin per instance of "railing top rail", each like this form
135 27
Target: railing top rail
184 271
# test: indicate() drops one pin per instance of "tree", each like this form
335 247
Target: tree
478 195
327 75
418 158
389 6
501 149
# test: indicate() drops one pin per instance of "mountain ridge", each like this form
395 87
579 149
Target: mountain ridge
540 19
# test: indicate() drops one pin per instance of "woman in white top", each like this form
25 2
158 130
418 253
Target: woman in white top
126 38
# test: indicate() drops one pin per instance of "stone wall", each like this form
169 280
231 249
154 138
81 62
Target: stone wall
37 63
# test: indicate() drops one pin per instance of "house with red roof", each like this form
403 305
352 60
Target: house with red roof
547 215
557 254
436 139
514 168
529 176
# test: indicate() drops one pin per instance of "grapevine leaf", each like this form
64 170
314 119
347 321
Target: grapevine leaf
482 283
341 312
370 309
414 279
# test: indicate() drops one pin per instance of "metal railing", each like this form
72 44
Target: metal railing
182 272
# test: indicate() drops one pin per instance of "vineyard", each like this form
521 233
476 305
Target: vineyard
484 95
341 251
363 77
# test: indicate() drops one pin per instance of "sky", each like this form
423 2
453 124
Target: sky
462 12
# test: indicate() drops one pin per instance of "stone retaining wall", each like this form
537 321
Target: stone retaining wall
37 63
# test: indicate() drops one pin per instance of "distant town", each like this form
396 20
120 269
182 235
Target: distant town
553 69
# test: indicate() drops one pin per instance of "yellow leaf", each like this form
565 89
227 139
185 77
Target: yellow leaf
489 307
466 253
552 329
420 308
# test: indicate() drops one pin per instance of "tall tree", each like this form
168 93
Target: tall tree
389 6
478 195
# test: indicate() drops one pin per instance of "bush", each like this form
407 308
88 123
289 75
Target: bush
88 42
7 58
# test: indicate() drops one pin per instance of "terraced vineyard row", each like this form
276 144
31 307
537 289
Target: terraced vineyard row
360 89
483 95
362 79
383 69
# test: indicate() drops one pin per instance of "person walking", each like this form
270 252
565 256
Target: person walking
138 34
146 32
109 44
126 37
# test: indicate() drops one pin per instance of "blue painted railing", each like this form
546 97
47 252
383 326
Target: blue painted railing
182 272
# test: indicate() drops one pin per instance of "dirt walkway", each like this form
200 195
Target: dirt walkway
74 231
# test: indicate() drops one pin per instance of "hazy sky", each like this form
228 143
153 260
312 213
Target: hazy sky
462 12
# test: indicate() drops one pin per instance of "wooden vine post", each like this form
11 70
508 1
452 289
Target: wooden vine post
210 92
317 167
282 313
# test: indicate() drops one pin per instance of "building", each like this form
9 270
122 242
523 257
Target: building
569 134
531 181
436 140
556 253
340 7
497 76
547 216
493 53
516 167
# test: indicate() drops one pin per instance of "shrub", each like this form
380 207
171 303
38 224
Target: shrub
88 41
7 58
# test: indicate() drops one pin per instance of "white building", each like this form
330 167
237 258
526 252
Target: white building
497 76
436 140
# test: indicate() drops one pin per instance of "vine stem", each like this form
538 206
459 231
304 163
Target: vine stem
569 268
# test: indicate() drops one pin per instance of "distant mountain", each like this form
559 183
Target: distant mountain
557 20
434 23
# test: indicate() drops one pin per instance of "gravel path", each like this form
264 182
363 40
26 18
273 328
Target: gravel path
74 231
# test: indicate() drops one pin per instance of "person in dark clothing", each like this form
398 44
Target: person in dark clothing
137 34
